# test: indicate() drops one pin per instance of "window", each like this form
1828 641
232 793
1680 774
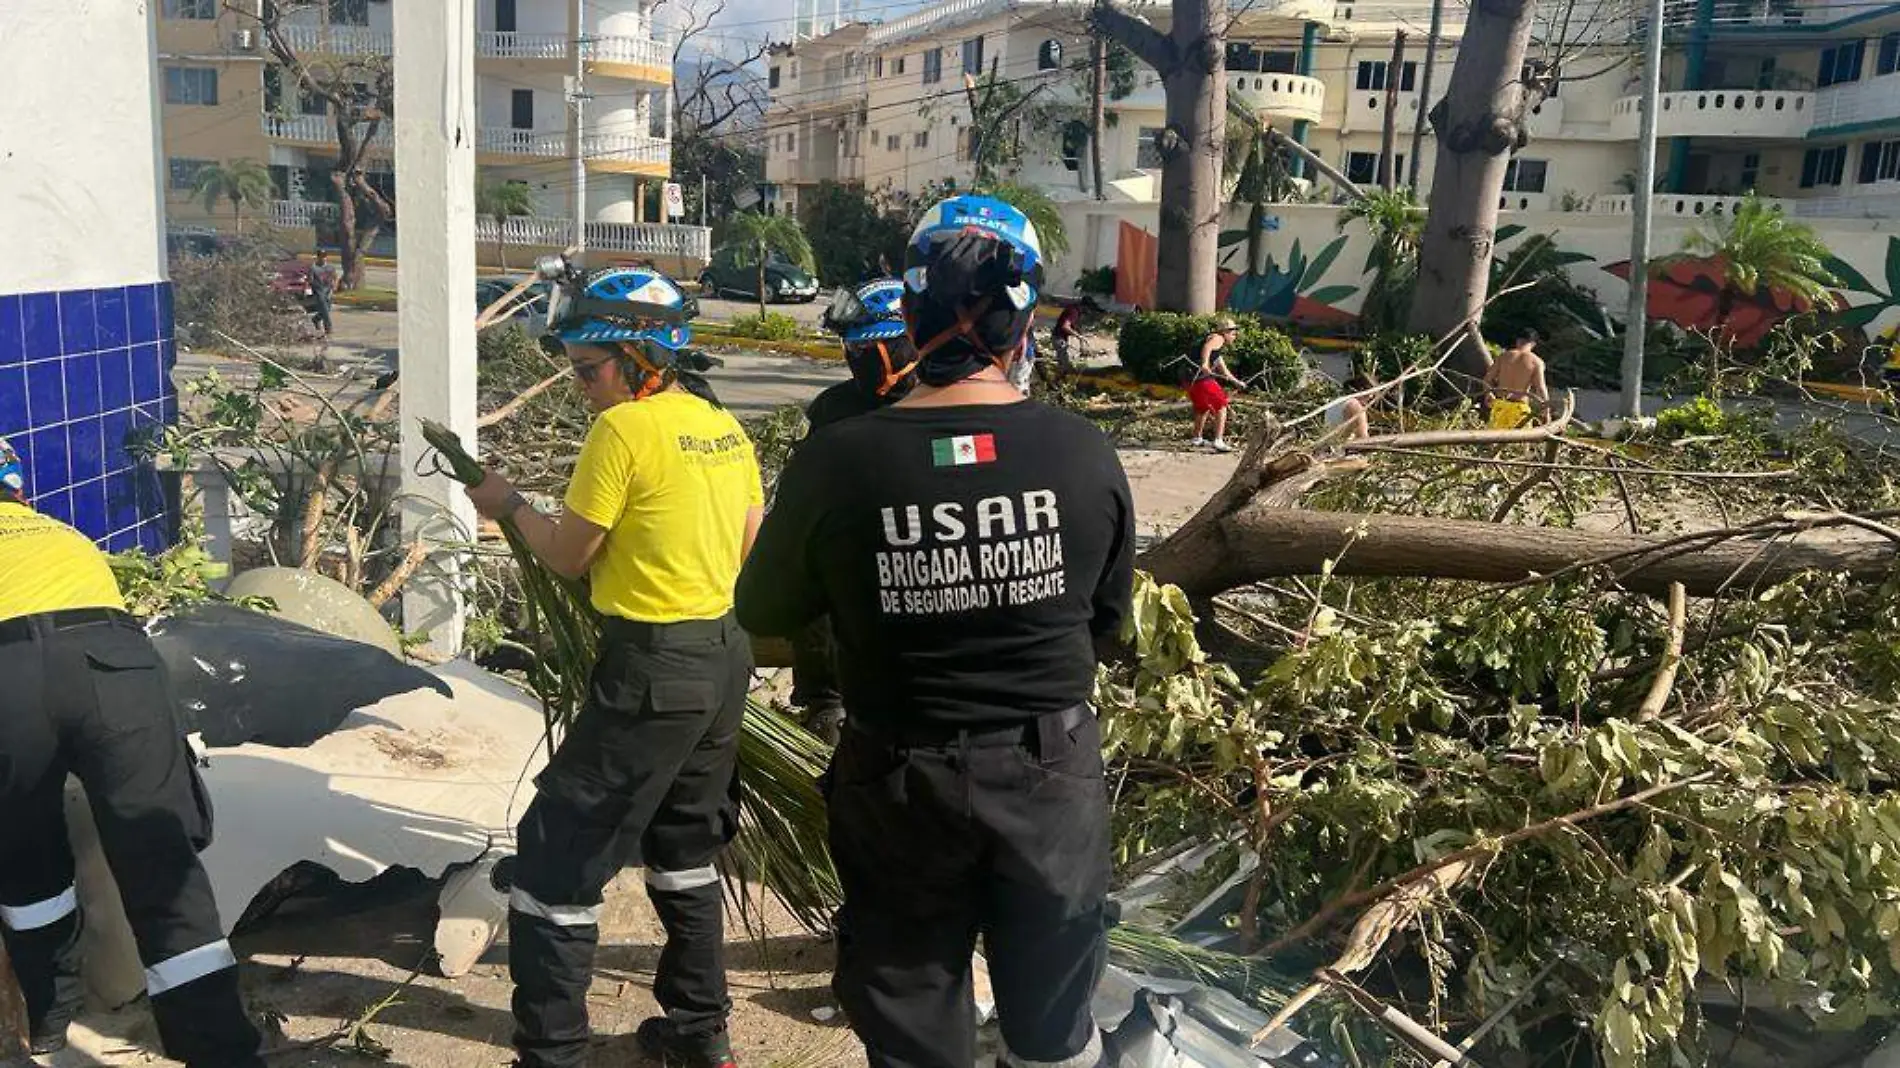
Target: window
521 109
921 140
1879 162
771 78
309 103
1049 55
1823 166
1765 75
505 16
877 67
349 12
933 66
1148 148
1279 62
893 142
191 9
1372 75
1075 138
1751 170
791 143
1526 175
191 85
973 56
900 66
1889 60
181 173
1841 63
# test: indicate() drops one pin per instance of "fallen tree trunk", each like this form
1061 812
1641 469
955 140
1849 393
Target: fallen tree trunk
1249 530
1259 542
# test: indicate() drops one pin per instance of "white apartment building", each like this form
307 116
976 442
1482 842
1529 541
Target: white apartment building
1795 99
225 97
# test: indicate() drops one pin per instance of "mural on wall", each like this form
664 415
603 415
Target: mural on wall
1316 290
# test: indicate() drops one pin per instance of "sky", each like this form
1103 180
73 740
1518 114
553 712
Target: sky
746 22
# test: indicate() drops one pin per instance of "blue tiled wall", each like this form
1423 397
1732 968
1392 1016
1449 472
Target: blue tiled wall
85 377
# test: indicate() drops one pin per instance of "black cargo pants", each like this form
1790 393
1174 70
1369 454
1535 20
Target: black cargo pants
815 678
940 839
84 692
651 761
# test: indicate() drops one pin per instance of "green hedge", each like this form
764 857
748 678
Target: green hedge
768 327
1151 342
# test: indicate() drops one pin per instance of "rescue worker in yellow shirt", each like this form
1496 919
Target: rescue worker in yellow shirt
85 693
663 506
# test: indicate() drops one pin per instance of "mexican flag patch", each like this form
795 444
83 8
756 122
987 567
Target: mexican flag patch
964 450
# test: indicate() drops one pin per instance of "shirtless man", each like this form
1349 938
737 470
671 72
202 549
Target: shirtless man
1516 381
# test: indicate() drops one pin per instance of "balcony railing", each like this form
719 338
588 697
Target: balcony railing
300 214
503 140
647 239
644 51
1720 113
338 40
1674 205
552 144
653 51
1288 95
497 45
317 130
627 148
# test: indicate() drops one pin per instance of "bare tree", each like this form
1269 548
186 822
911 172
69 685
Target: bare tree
718 102
359 93
1190 58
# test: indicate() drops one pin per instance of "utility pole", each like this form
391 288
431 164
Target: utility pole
1388 135
1637 317
1425 92
702 198
1098 110
577 98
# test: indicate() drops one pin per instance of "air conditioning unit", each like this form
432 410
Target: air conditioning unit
244 40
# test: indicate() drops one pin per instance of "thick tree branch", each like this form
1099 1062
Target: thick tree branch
1149 45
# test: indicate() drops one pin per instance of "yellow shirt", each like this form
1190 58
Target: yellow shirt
670 478
47 566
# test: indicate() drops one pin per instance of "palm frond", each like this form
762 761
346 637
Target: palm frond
781 843
1759 246
777 232
1039 210
1248 978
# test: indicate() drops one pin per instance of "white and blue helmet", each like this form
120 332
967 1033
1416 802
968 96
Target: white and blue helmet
12 473
873 311
630 304
982 217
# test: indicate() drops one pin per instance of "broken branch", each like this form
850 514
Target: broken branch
1659 690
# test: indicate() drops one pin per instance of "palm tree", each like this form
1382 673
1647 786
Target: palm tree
244 182
770 233
1041 212
500 201
1757 249
1396 222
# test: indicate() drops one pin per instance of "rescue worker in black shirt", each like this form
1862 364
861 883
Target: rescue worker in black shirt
971 546
870 322
85 693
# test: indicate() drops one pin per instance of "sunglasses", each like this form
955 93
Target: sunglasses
588 372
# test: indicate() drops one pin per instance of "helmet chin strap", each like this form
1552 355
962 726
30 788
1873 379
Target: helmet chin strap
892 376
652 377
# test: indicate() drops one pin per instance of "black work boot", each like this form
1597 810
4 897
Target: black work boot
659 1038
50 1040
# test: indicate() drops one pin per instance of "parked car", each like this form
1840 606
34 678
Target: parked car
734 271
287 274
531 316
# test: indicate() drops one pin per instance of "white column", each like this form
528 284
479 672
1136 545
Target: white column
435 198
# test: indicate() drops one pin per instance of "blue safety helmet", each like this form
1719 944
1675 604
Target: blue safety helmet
12 473
1018 270
628 304
872 312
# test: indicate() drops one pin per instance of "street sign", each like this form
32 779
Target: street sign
675 201
745 198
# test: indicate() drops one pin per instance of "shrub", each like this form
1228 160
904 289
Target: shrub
770 326
1392 353
1098 281
1162 347
229 293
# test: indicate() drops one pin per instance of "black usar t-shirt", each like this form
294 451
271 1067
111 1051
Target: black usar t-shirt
968 557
